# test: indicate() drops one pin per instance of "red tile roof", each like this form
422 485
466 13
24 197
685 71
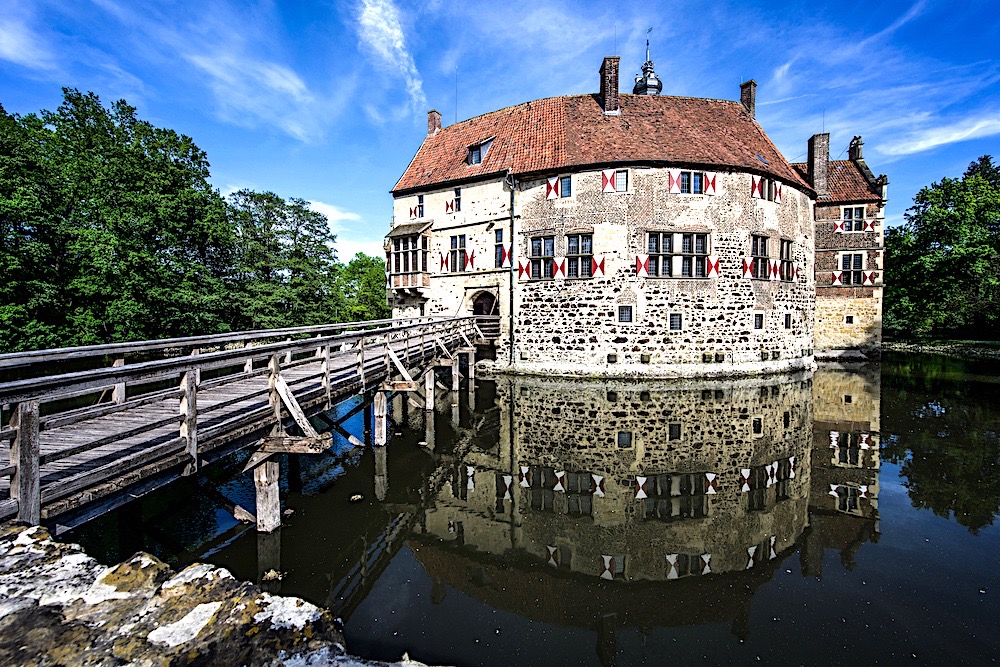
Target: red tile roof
847 182
557 133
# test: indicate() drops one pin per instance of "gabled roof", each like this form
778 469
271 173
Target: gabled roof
847 181
558 133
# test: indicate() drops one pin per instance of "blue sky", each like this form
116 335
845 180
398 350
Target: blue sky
327 101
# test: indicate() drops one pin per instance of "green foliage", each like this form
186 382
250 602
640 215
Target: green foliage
363 281
111 231
941 265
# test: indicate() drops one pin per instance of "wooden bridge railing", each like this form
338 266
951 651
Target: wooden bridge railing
342 357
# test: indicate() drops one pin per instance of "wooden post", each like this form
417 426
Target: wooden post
380 419
369 418
189 419
381 473
248 366
472 377
361 364
197 372
265 479
118 393
429 381
25 486
327 389
288 355
274 365
269 558
429 429
455 376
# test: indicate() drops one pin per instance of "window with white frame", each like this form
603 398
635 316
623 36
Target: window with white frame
853 218
853 266
678 254
579 255
541 255
456 255
624 313
675 496
409 254
498 249
760 255
565 186
758 320
692 182
787 266
477 152
458 199
676 322
420 206
621 180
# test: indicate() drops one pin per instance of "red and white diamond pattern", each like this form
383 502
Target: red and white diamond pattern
745 480
674 181
864 441
413 213
640 488
470 475
751 557
608 181
772 474
671 566
552 188
869 277
756 189
597 267
834 439
449 206
508 482
560 481
713 266
642 265
711 483
470 260
864 491
833 491
748 267
706 560
553 555
777 193
524 476
710 182
523 269
506 255
791 467
597 485
607 567
773 554
774 269
558 267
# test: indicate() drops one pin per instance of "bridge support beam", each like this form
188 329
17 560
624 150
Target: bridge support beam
381 419
265 479
25 485
381 473
429 380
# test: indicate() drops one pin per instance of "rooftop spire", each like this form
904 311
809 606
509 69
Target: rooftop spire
647 83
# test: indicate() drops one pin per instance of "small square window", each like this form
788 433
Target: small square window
624 313
848 398
758 320
674 432
675 321
565 186
758 426
849 319
788 321
621 180
786 419
624 439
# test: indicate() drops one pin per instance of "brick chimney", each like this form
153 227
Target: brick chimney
748 96
433 121
854 150
819 163
609 85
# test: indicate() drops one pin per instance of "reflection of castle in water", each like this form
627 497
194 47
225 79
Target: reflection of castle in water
637 481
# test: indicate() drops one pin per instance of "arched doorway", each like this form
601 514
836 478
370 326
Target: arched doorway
485 303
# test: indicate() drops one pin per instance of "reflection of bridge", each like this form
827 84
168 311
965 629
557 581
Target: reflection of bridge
90 428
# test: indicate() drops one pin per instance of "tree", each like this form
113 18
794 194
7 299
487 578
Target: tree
941 265
363 281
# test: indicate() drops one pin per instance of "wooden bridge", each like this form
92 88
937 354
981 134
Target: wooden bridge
91 428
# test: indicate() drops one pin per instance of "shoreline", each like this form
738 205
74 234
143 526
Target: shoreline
956 349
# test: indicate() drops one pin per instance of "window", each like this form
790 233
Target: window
579 255
692 182
758 320
675 321
457 253
458 199
420 206
621 180
854 218
542 252
409 254
624 439
788 320
761 258
673 431
498 251
852 264
787 266
624 313
565 186
478 152
848 319
675 496
678 254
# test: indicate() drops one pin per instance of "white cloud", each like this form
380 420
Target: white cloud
940 135
381 33
332 212
20 44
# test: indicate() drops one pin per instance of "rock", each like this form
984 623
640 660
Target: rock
357 498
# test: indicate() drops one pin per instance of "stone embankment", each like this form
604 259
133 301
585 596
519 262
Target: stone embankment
58 606
959 349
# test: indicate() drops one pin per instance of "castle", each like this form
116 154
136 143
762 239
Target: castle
641 234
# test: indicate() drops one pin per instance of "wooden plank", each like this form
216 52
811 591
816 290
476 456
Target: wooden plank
288 444
380 419
189 418
399 365
293 406
265 478
350 438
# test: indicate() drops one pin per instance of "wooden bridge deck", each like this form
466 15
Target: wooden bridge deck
140 435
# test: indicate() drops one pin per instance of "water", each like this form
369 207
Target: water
841 515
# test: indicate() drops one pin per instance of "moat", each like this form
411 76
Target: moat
841 514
